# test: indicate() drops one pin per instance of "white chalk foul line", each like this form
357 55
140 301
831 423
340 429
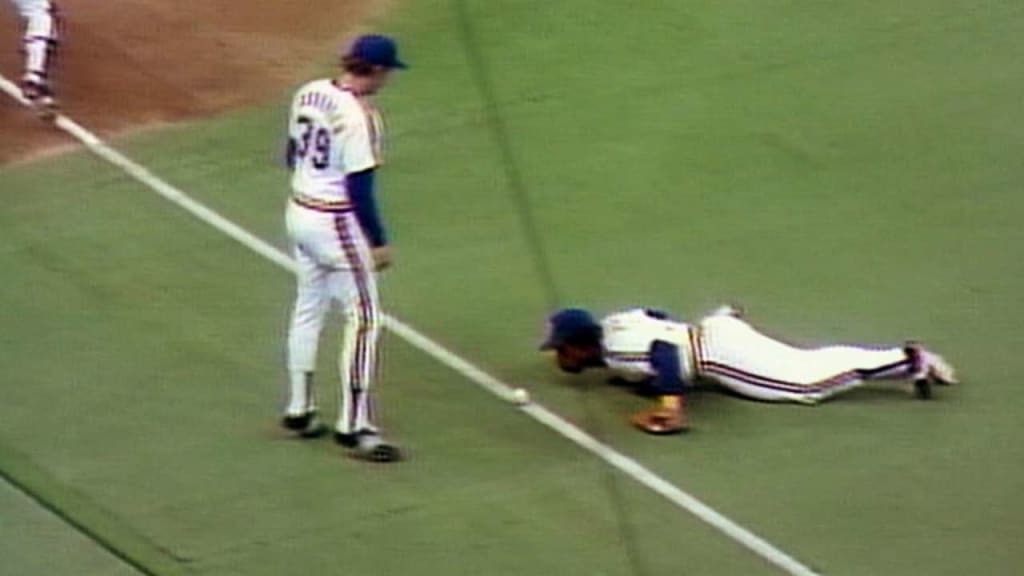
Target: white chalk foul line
616 459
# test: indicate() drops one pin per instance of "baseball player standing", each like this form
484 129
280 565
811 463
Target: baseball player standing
39 44
643 345
339 242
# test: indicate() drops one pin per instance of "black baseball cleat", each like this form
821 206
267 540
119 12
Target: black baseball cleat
923 388
369 445
928 368
304 425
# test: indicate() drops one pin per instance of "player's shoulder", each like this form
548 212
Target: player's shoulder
321 91
625 340
640 324
321 84
626 317
620 325
310 86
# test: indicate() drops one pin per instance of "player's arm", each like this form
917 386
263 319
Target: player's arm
668 379
358 157
291 146
360 187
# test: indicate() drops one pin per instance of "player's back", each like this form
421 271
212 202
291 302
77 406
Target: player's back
334 133
629 335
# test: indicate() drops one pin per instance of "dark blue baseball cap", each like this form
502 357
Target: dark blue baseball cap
569 324
377 50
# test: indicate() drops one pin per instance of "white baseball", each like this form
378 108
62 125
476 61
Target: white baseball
520 396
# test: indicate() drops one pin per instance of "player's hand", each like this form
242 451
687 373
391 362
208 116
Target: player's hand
382 257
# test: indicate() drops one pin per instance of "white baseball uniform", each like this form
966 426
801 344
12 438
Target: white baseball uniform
336 133
39 39
726 349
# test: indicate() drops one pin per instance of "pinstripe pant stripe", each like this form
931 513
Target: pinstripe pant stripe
776 384
899 369
361 363
895 369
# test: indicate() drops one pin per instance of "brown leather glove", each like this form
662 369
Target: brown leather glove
668 417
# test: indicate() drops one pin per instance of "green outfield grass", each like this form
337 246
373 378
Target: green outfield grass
846 171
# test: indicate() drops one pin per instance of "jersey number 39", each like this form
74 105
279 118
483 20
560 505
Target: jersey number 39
314 141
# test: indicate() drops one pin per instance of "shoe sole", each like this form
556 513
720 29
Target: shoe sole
314 432
314 428
383 454
662 431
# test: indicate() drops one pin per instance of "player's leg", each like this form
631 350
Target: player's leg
311 305
39 44
358 359
307 230
304 328
356 288
758 366
840 368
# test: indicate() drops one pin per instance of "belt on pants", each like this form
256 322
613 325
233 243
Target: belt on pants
321 205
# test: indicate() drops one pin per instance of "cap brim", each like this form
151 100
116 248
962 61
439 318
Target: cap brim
399 65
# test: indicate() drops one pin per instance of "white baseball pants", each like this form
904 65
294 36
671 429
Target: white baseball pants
40 37
335 265
742 359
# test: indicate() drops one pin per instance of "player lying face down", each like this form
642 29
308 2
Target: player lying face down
643 345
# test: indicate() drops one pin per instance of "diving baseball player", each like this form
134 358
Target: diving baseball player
647 345
339 242
39 44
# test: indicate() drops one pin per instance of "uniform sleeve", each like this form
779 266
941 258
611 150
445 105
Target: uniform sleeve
360 191
666 364
354 133
289 153
291 146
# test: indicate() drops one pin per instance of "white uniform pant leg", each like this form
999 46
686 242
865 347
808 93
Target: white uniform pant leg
356 288
40 37
752 364
307 320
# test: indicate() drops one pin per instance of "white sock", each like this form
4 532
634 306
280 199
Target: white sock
36 51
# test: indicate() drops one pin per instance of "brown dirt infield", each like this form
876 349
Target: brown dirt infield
130 64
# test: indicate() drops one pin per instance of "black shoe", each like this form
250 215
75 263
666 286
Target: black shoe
346 440
305 425
369 445
928 368
923 388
